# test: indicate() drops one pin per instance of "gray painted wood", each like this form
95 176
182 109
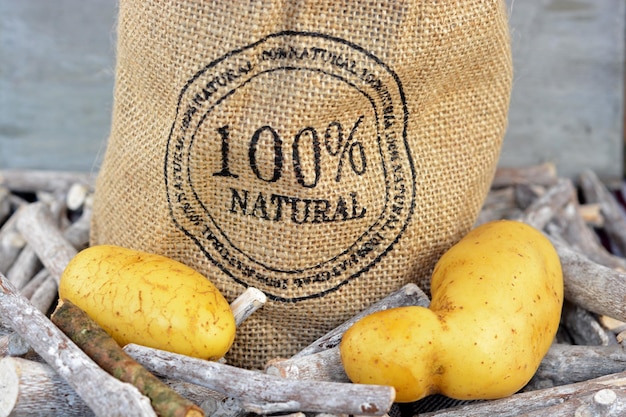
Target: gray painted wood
57 70
56 82
567 101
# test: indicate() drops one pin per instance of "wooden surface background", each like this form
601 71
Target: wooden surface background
57 63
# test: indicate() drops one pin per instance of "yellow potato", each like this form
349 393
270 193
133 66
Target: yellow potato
496 305
149 300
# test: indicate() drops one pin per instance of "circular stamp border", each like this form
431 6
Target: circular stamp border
190 215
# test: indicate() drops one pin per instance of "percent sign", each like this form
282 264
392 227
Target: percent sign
345 147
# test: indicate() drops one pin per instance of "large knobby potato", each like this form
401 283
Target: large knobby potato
496 305
149 300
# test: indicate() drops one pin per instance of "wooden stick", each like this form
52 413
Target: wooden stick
612 325
544 174
36 223
40 231
540 402
29 289
77 234
5 204
570 225
77 195
24 268
213 403
42 180
29 388
603 403
42 288
409 294
501 198
499 204
247 303
595 191
320 366
105 351
11 243
592 214
584 328
543 209
45 294
12 344
105 395
526 194
592 286
568 364
264 394
563 364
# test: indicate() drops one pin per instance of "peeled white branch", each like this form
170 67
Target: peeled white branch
265 394
29 388
561 401
247 303
614 217
592 286
544 208
38 227
27 180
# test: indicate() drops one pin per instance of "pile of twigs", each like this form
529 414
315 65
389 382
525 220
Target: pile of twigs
44 221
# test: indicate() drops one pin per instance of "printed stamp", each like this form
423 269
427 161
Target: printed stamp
288 164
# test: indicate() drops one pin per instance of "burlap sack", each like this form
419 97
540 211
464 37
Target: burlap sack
325 152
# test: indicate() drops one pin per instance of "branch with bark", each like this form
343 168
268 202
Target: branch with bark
105 351
561 401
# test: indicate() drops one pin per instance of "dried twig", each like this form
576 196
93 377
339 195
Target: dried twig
33 285
561 401
321 366
11 344
264 394
29 388
614 219
43 235
568 364
5 204
11 244
604 294
105 395
25 180
544 174
247 303
543 209
77 196
105 351
591 214
584 328
44 288
25 266
39 229
570 226
499 204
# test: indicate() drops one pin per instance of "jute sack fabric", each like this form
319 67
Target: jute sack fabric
325 152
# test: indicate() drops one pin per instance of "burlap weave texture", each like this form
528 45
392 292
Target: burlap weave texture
324 152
